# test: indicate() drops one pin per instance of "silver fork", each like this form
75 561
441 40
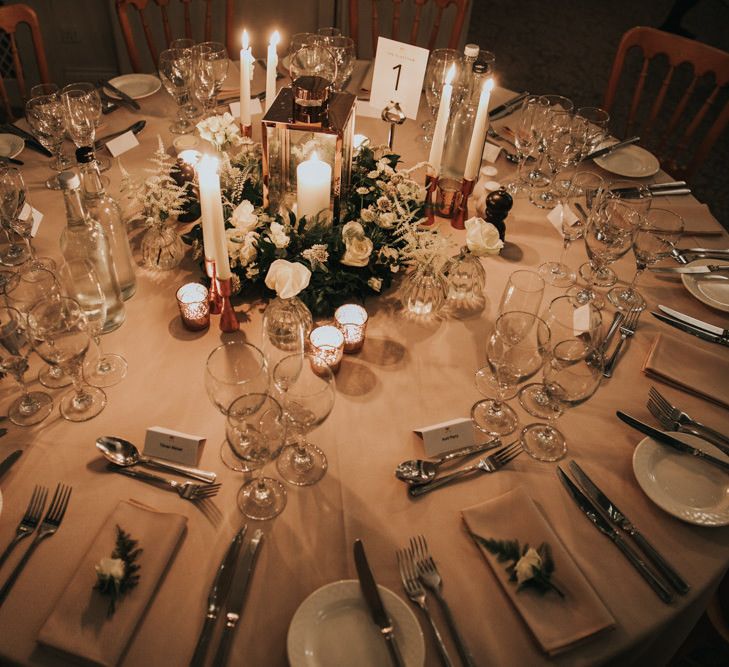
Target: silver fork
491 463
30 519
627 329
187 490
415 591
430 576
51 523
683 421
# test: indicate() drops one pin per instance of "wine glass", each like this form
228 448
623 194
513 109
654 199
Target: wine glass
343 50
566 320
82 284
572 374
307 395
190 109
175 71
12 200
515 352
60 336
439 64
584 191
657 234
255 432
46 118
597 126
524 291
210 62
31 407
83 106
527 136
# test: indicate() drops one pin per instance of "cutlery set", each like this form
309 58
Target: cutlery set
692 325
687 255
626 324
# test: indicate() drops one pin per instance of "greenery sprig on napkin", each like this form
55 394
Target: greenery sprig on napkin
528 567
117 575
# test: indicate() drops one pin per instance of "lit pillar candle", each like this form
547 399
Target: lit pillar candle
313 186
211 212
246 60
441 122
478 138
271 65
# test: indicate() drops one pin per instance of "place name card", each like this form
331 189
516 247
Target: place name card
491 152
122 143
446 436
560 214
256 108
25 214
164 443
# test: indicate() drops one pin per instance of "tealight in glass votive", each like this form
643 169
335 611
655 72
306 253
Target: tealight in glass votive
327 344
351 319
192 299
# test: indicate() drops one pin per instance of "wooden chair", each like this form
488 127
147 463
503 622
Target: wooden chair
10 17
150 12
678 106
414 15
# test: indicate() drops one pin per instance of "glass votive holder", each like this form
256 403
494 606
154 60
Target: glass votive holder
192 299
327 343
351 319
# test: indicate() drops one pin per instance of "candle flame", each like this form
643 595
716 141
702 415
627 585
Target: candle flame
314 156
275 38
244 40
207 165
451 74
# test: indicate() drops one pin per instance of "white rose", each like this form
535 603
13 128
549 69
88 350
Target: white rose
277 235
526 565
287 279
375 283
111 568
358 246
386 220
244 217
482 238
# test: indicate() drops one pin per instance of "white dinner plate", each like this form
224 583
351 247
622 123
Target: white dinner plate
631 161
681 484
333 627
11 145
137 86
713 290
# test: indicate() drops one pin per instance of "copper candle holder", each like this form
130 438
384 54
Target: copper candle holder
461 205
431 191
327 343
228 320
351 319
448 189
216 304
192 300
246 130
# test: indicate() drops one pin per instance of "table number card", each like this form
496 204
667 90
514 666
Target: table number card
398 75
164 443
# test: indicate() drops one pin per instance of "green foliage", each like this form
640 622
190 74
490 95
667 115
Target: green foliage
126 549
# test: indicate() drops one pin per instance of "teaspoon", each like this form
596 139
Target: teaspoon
421 471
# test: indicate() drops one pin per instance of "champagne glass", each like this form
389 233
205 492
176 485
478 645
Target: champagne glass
31 407
527 136
572 375
524 291
307 396
175 71
12 200
190 109
210 67
82 284
255 433
46 118
657 234
439 63
515 352
60 334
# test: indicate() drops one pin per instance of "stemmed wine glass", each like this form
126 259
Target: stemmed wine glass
83 109
12 200
527 137
597 126
524 291
46 118
60 336
190 109
659 230
175 71
255 432
82 284
342 48
515 352
307 395
572 374
210 62
31 407
439 64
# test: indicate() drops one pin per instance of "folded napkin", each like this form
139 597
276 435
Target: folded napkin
697 218
683 365
78 624
556 623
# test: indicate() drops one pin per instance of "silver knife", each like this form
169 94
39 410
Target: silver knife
698 324
653 187
374 603
9 460
670 192
669 440
704 269
609 149
217 595
601 523
688 328
127 99
619 519
507 107
237 597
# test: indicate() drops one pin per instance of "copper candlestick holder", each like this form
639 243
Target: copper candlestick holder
228 320
461 205
431 190
216 304
246 130
446 194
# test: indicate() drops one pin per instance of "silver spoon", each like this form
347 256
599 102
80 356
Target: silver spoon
123 453
421 471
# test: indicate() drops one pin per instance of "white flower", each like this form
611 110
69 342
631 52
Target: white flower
375 283
363 191
110 568
317 255
386 220
384 204
278 236
244 217
242 248
526 565
220 130
373 174
368 215
482 238
287 279
358 246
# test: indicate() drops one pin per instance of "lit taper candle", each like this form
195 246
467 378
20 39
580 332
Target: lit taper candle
478 138
436 148
271 65
246 63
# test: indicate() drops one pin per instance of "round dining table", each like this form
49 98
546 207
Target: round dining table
411 372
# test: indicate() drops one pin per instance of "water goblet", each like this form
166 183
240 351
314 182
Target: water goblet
343 50
597 126
190 109
175 71
527 137
439 64
12 200
46 119
307 393
524 292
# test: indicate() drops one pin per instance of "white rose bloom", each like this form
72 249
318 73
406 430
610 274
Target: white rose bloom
287 279
278 236
368 215
244 217
358 246
375 283
526 564
110 568
482 238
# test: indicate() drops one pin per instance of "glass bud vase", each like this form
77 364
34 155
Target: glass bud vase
162 248
424 290
466 283
286 327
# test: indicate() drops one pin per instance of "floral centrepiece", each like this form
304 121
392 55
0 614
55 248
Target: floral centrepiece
117 575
